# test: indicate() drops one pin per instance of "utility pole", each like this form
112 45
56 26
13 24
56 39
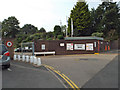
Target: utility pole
71 27
66 25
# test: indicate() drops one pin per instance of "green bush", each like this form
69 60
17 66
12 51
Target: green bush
97 34
60 37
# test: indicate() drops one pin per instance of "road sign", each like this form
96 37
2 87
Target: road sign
9 44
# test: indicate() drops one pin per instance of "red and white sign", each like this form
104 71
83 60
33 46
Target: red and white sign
9 44
69 46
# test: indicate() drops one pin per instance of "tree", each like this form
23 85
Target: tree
60 37
0 25
81 19
42 30
10 27
93 20
107 20
57 31
29 29
19 39
97 34
111 23
49 35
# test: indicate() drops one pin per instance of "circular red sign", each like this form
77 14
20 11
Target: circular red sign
9 44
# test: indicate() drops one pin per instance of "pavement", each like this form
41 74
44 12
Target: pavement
25 75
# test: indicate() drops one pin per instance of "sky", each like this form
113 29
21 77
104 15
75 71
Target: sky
40 13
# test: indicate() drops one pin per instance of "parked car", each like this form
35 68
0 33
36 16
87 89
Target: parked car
4 56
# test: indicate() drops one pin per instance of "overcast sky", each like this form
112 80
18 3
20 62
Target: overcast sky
40 13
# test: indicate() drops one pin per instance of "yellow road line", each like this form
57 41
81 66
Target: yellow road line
96 53
71 81
65 80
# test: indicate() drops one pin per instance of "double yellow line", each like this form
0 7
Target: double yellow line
63 76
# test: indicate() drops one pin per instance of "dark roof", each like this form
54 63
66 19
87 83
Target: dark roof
83 38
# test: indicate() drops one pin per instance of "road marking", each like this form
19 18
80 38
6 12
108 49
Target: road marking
65 80
71 81
64 77
96 53
58 78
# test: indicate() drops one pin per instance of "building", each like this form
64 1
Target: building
73 45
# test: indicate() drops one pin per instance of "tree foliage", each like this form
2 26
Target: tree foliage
10 27
60 37
97 34
81 19
42 30
49 35
57 31
29 29
105 19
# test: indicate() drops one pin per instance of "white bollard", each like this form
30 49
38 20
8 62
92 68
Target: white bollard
35 61
15 57
31 59
27 58
19 58
23 58
38 62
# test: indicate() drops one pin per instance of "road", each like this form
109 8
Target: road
80 68
83 71
24 75
106 78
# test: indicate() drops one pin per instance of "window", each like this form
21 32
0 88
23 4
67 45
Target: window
43 46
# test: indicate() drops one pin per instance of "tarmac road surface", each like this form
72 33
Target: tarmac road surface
23 75
80 68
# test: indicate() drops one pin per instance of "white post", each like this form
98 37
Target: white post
39 62
19 58
15 57
35 60
27 58
23 58
31 59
